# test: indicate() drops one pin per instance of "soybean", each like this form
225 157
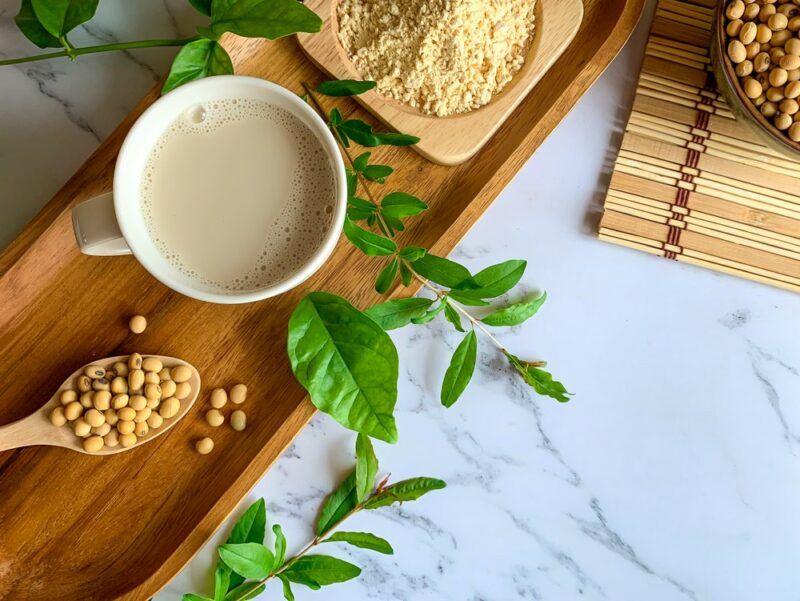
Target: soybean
119 401
94 371
169 407
93 444
238 420
125 427
68 396
182 390
204 446
73 411
81 428
152 364
57 417
127 440
111 439
102 400
218 398
238 394
214 418
137 402
137 324
135 380
119 385
181 374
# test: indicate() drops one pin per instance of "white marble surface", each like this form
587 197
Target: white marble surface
673 474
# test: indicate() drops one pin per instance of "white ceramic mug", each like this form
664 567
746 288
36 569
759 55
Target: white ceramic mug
112 223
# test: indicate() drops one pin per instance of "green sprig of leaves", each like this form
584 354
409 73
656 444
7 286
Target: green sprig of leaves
247 564
47 24
454 286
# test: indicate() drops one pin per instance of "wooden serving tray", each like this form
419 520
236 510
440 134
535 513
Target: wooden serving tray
455 139
74 527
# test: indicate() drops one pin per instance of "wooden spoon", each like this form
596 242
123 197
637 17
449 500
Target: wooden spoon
36 429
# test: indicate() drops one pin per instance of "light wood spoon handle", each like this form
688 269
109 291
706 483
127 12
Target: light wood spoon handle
29 431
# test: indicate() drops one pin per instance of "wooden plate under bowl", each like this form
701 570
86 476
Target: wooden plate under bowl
455 139
741 106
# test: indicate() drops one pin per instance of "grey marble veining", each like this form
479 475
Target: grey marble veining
673 473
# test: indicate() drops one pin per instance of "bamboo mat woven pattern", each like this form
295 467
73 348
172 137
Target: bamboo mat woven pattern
690 184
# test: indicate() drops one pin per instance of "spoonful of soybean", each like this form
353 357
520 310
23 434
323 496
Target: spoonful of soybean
110 406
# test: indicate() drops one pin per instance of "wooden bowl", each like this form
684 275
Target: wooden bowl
740 105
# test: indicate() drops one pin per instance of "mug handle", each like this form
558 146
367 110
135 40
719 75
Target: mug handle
96 227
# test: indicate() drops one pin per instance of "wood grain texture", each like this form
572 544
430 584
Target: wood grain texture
454 139
76 527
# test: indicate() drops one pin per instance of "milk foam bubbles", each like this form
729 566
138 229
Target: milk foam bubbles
238 194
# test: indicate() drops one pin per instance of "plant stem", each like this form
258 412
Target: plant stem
346 152
314 542
74 52
441 294
436 290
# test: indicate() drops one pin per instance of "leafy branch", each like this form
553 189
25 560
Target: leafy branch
246 565
342 355
47 24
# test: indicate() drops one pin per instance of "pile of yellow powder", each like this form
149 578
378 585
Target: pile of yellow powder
440 56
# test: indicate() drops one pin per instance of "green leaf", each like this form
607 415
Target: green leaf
280 546
196 60
395 139
429 315
441 271
338 504
193 597
251 560
345 87
360 203
29 25
466 300
359 132
361 161
460 371
315 571
395 225
386 277
202 6
397 313
413 253
352 183
538 379
405 274
366 467
515 314
347 363
496 280
336 116
377 173
405 490
251 527
400 204
369 243
452 316
363 540
222 581
59 17
287 588
269 19
240 593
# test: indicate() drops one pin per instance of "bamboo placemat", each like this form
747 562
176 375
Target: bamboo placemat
690 184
